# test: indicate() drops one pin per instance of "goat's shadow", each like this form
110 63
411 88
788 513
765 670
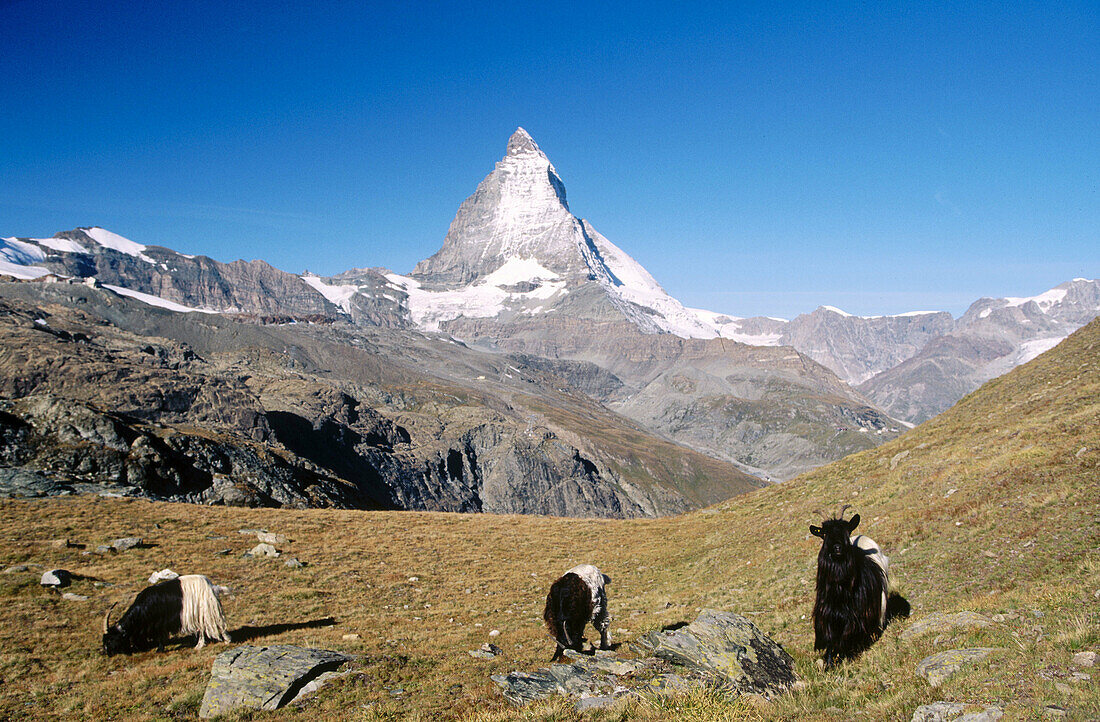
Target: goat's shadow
246 633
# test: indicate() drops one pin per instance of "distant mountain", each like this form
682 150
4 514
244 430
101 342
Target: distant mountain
991 338
519 275
106 394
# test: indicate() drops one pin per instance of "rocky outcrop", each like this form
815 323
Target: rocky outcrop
722 649
266 678
939 667
116 397
856 347
729 646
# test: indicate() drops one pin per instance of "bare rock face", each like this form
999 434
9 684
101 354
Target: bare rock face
731 647
210 410
266 678
718 648
858 348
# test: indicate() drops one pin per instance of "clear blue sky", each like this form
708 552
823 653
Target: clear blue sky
756 158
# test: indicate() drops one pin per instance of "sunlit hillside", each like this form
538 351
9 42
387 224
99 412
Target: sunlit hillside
993 507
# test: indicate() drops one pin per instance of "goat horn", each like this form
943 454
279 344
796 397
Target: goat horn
107 617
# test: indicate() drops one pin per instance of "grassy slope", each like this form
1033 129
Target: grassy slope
1019 532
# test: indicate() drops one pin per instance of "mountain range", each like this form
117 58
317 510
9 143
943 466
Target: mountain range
524 292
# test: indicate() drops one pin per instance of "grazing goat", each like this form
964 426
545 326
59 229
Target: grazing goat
185 605
575 599
853 589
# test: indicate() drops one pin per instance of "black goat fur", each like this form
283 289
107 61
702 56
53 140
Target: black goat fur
850 590
568 609
152 619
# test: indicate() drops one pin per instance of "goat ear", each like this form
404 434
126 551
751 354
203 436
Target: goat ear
853 523
816 531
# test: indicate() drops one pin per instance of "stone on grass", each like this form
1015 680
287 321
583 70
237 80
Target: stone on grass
729 646
486 651
56 578
263 550
293 563
938 667
271 537
69 596
161 576
586 703
941 623
605 663
1084 659
520 688
989 714
18 568
266 677
127 543
105 549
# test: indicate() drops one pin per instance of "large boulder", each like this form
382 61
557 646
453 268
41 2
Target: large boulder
939 667
732 648
718 648
266 677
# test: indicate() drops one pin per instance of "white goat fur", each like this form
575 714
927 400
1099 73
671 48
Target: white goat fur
202 612
875 554
595 580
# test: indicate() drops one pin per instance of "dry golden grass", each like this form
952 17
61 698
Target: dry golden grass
994 509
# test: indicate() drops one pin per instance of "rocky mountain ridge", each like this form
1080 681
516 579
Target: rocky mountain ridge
101 392
519 274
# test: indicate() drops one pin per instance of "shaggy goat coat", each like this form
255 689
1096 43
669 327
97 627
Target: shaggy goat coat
853 586
578 597
182 606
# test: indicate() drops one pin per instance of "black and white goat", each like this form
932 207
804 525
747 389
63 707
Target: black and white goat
578 597
182 606
854 601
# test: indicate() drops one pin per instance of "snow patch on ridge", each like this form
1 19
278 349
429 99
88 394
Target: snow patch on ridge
339 296
17 259
157 300
117 243
1044 300
484 298
61 244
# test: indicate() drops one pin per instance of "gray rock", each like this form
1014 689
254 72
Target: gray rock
671 684
57 578
293 563
989 714
576 681
938 712
486 651
730 646
940 666
520 688
1084 659
105 549
17 568
263 550
265 677
126 543
940 623
604 663
588 703
163 575
271 538
1054 711
69 596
